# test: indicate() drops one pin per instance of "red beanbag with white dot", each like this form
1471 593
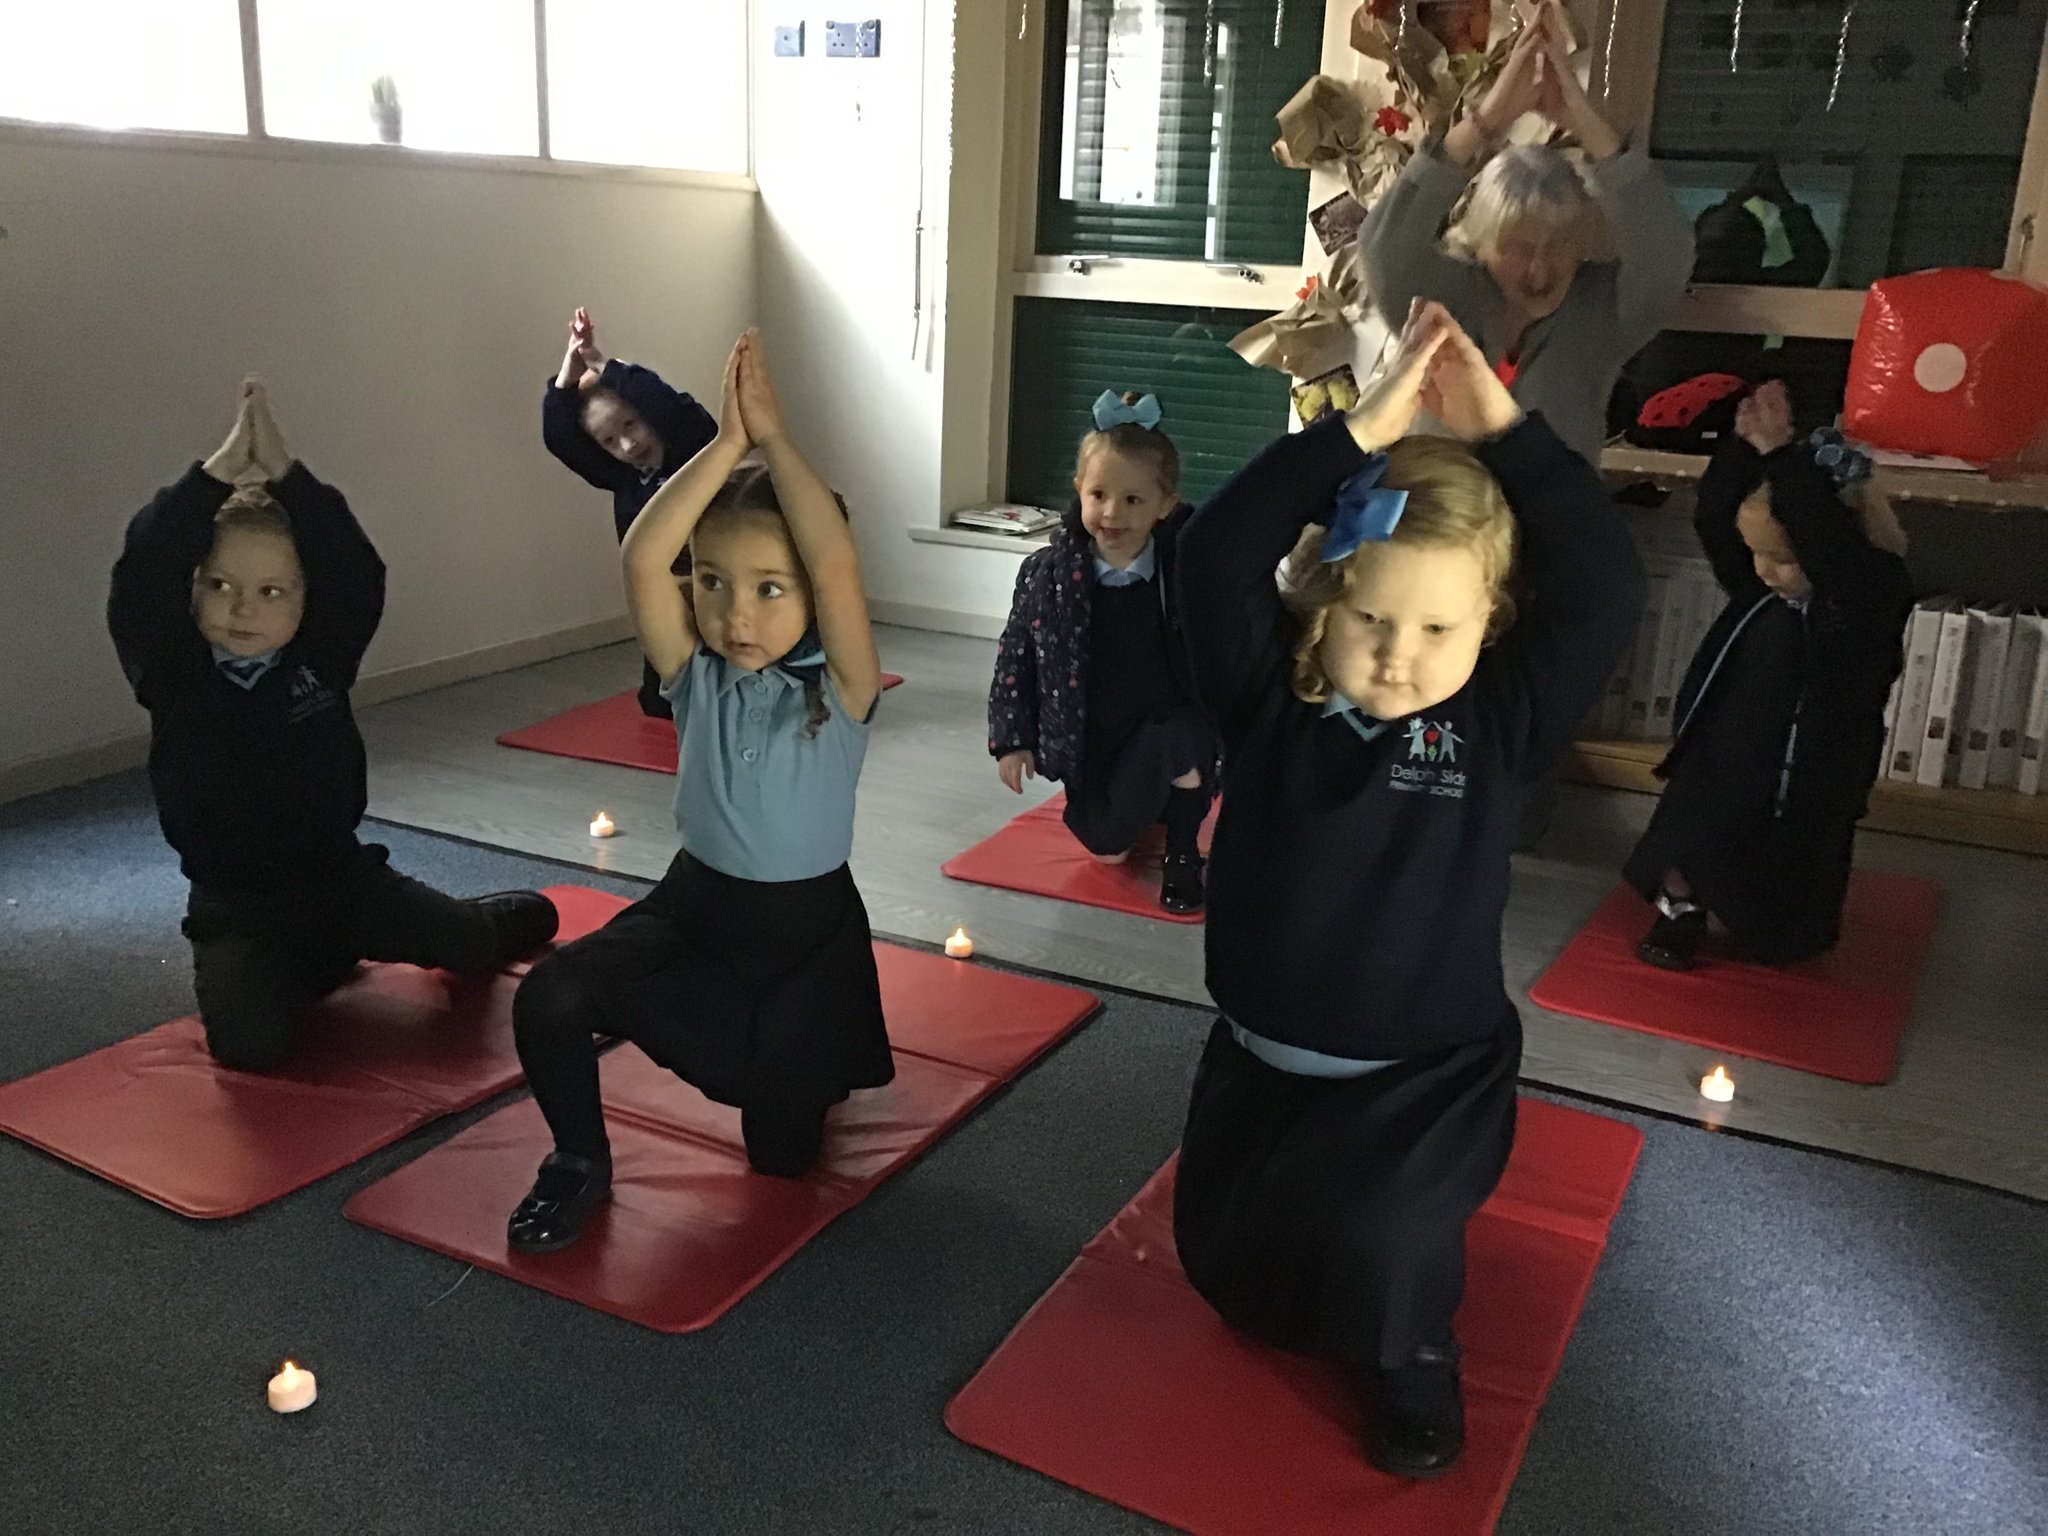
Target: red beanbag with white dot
1950 361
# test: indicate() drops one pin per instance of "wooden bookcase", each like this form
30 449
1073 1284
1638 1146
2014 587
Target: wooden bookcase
1984 818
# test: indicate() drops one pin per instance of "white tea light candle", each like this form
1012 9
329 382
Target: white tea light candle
602 825
1718 1086
292 1389
959 946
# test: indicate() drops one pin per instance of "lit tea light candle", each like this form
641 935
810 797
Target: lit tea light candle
959 946
292 1389
1718 1086
602 825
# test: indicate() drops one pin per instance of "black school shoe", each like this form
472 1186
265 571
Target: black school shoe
522 921
1180 883
552 1215
1415 1414
1673 942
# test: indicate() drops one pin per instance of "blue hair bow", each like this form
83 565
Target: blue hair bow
1364 511
1111 411
1835 454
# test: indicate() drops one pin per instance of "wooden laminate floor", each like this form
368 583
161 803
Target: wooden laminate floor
1970 1098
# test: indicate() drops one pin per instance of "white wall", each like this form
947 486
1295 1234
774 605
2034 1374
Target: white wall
405 311
837 155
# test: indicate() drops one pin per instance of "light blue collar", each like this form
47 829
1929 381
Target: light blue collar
243 671
808 653
1142 568
1368 727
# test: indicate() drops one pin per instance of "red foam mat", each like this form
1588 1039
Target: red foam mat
1841 1014
690 1229
612 731
1122 1382
1036 854
393 1049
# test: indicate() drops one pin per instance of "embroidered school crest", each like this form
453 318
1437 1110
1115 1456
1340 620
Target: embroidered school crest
309 696
1432 741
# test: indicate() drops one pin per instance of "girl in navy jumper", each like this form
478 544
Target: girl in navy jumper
1356 1099
1091 683
1781 716
622 429
749 970
241 607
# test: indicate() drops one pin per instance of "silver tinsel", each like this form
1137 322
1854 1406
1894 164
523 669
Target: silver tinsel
1841 53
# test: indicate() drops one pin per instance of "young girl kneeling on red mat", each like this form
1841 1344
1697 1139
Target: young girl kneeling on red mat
749 970
1781 714
1091 684
1381 715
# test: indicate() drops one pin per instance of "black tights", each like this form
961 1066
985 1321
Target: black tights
1185 810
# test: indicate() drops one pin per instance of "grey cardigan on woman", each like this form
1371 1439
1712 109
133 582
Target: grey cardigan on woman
1570 358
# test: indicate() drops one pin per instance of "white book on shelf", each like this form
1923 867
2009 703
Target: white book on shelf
1668 664
1939 758
1891 719
2029 630
2034 739
1993 628
1923 635
1642 665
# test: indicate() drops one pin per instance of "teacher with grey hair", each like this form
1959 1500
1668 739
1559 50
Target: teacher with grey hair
1560 278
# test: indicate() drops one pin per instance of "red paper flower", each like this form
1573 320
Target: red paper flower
1390 121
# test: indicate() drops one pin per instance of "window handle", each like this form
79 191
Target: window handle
1244 270
1079 265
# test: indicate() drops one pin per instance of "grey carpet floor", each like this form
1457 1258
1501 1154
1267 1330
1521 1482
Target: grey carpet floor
1775 1342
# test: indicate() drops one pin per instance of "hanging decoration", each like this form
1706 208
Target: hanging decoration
1735 42
1969 36
1841 53
1209 43
1279 22
1607 53
1963 79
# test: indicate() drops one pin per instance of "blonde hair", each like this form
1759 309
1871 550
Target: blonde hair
1453 503
1875 515
252 509
1526 184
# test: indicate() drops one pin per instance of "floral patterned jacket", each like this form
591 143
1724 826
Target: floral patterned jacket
1037 701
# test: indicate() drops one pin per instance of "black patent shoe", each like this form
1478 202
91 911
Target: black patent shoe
522 920
552 1215
1415 1415
1180 883
1673 942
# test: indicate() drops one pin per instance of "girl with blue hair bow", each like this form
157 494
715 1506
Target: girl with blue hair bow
1356 1100
1091 684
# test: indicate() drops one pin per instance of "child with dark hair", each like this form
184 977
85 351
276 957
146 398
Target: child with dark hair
624 430
1781 714
1091 683
241 608
749 970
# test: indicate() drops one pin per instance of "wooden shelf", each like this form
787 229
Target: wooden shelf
1962 487
1983 818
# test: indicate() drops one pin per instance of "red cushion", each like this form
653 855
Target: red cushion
392 1050
1949 362
612 731
1841 1014
1122 1382
689 1229
1036 854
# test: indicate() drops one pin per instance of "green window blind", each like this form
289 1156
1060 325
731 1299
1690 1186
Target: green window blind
1219 409
1157 128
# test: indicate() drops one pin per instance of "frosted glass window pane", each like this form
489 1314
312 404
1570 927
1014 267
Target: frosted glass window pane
124 64
649 82
463 71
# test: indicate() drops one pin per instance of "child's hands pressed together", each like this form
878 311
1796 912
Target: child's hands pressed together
1462 392
1387 405
1764 419
1013 768
760 406
268 453
732 421
234 459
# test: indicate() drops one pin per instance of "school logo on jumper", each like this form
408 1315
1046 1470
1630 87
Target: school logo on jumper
1433 741
309 696
1434 744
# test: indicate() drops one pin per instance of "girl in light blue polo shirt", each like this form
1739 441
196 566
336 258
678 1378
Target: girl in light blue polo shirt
749 970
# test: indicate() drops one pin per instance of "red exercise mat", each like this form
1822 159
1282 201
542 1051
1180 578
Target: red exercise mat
1840 1015
1122 1382
393 1049
1036 854
690 1229
612 731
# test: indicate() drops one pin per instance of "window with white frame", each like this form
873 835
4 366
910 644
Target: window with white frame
124 64
659 83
